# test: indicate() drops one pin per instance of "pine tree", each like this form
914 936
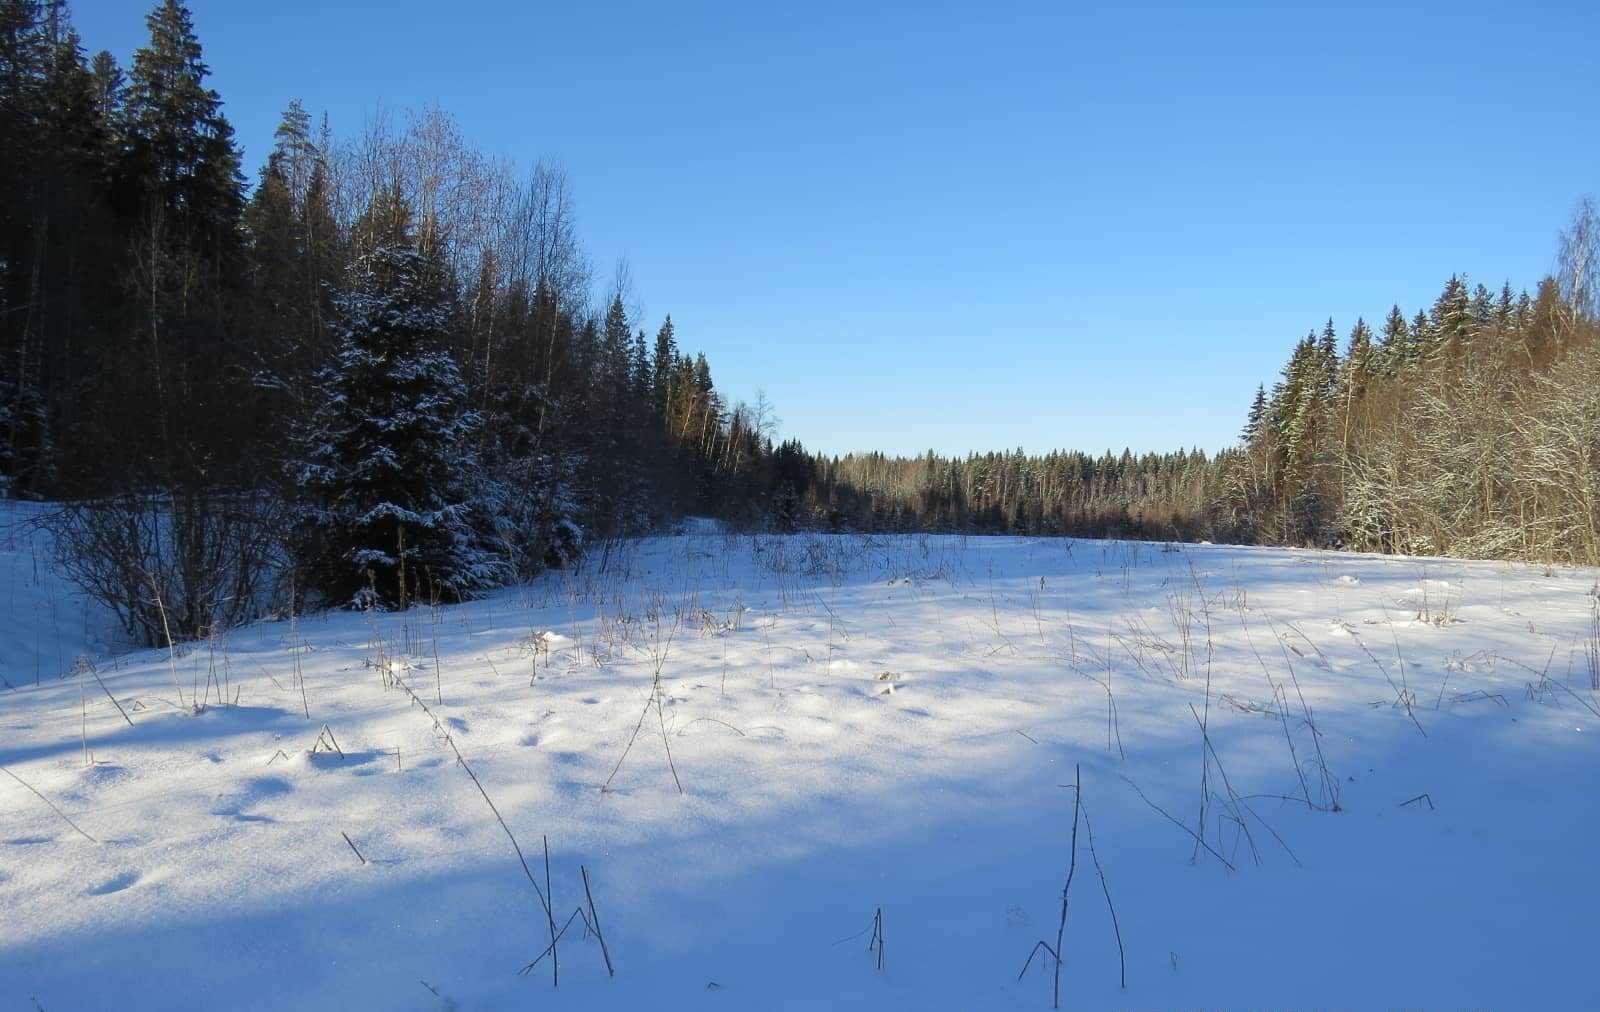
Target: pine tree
385 476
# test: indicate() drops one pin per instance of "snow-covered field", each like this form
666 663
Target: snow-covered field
1401 808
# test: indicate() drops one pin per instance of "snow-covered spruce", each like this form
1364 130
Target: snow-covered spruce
386 476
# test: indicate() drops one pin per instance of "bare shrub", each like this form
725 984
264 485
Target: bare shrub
172 566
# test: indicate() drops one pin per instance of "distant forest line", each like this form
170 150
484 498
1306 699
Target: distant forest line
1470 428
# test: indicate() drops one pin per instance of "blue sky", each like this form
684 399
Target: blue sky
980 226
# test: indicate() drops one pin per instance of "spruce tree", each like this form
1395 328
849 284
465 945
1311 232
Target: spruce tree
385 477
1360 362
181 152
641 374
1505 312
24 62
1451 323
1356 375
666 359
58 248
291 239
1256 419
166 400
617 359
1482 312
110 88
1420 342
24 66
1328 357
1395 342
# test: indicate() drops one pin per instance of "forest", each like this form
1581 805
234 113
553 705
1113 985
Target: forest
1469 429
383 369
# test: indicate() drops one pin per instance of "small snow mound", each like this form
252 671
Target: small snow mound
542 739
115 884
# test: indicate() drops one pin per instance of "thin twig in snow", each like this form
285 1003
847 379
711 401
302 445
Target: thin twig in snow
47 801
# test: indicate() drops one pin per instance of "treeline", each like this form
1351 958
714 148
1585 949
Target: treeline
1151 496
1470 428
379 370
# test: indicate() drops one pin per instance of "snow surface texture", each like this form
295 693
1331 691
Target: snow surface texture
857 724
46 623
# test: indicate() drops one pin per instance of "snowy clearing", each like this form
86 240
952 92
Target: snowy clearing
1401 808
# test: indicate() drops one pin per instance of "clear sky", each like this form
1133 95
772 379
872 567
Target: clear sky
985 225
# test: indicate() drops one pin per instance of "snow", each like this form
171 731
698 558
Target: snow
46 623
857 724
